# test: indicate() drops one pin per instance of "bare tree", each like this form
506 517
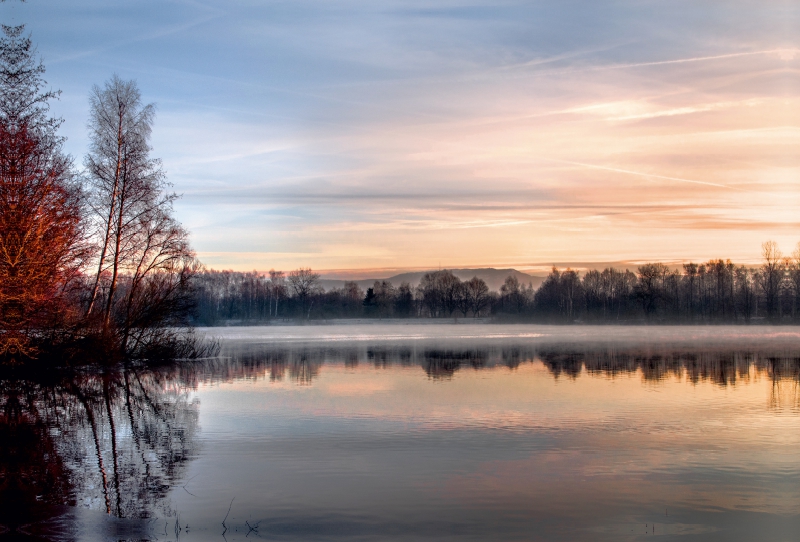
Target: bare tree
745 293
571 293
124 182
793 268
385 294
404 300
277 289
156 288
462 299
514 296
145 263
439 291
430 293
304 282
652 288
353 291
477 294
770 276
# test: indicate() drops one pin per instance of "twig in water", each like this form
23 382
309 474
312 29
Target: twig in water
187 483
252 529
226 517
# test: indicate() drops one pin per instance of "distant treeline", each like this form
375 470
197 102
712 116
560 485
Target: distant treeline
714 292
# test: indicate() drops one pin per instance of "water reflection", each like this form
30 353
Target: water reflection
303 363
515 439
437 436
113 441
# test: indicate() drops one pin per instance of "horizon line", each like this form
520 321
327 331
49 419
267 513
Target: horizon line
531 268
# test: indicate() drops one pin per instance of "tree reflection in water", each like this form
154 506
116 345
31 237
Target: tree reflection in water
720 366
117 440
114 440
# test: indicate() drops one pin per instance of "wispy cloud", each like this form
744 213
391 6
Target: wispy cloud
782 53
641 174
342 135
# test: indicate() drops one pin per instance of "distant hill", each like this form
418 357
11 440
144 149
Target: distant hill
494 278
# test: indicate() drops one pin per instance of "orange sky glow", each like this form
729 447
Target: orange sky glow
370 138
690 159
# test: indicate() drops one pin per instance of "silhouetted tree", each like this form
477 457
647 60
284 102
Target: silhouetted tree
570 294
476 294
370 302
404 301
653 288
304 283
514 297
277 289
770 277
548 296
745 293
352 295
560 297
438 292
384 297
691 282
793 268
451 290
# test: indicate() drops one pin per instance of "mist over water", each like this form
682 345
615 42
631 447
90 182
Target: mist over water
428 432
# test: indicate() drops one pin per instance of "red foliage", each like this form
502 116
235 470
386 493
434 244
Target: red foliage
40 231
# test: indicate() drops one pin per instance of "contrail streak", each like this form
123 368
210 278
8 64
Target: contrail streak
693 59
639 173
665 62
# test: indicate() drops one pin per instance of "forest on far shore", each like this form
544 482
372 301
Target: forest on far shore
717 291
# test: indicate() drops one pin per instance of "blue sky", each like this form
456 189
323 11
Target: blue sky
364 135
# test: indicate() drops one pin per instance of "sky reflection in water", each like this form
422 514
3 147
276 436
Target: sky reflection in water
431 433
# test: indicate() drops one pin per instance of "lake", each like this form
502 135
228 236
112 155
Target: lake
420 432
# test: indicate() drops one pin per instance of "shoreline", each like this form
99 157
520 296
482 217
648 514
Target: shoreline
755 322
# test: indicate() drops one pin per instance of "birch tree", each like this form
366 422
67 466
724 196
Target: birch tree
771 276
125 184
144 261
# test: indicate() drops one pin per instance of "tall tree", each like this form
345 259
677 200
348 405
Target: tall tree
745 293
304 283
40 205
144 262
771 276
793 267
653 288
404 301
477 295
277 288
125 183
385 294
439 292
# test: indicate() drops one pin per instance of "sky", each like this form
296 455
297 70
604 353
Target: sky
362 137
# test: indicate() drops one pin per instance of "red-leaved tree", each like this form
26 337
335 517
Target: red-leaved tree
40 207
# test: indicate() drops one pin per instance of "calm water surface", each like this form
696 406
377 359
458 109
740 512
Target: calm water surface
426 432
